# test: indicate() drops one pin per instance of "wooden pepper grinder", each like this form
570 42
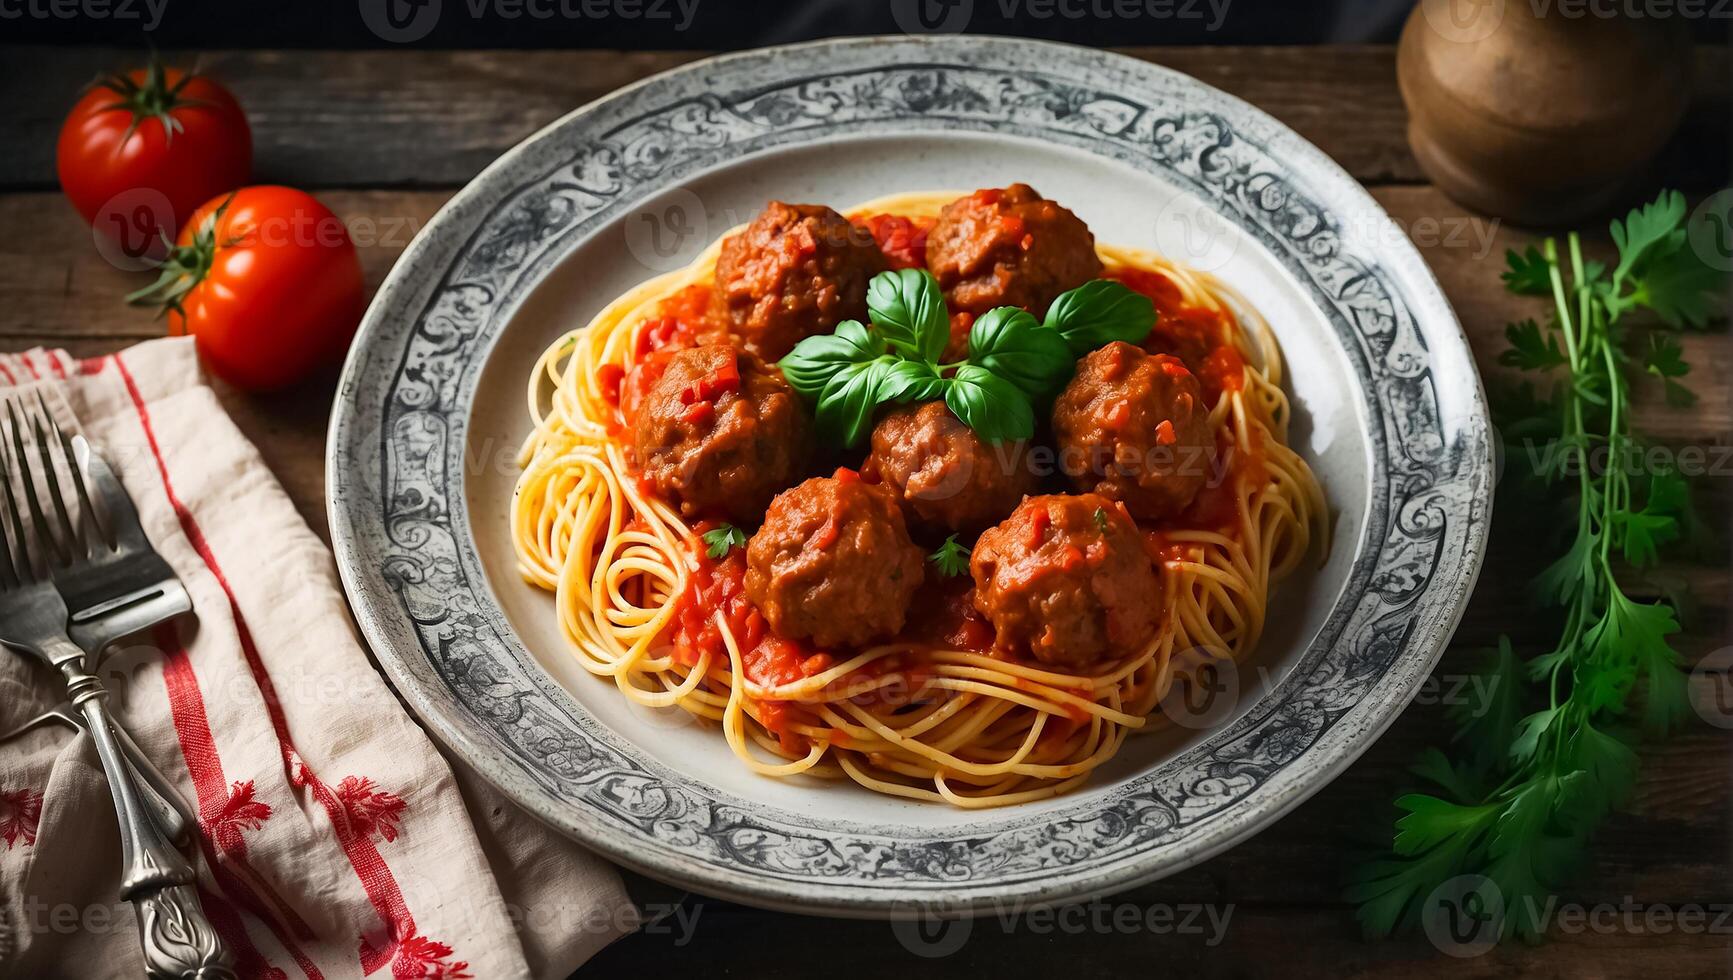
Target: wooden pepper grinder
1541 119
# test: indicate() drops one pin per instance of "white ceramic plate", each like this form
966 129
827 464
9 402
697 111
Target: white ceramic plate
1389 411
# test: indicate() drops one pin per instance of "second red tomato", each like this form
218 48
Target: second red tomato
268 281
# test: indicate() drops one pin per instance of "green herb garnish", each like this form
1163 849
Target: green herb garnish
1100 517
1545 758
952 558
1014 361
722 539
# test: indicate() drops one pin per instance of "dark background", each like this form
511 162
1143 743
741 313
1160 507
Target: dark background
711 24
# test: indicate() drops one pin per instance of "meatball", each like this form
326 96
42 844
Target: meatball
833 563
944 474
720 433
1067 579
1009 247
1132 427
797 270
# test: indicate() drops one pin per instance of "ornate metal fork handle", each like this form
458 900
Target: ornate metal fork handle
156 878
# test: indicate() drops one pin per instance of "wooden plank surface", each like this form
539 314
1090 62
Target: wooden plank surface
459 110
434 118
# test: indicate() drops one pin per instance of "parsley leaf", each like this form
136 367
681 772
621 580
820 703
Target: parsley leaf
1665 359
1100 517
1681 288
1574 571
1654 227
952 558
1487 721
1530 350
722 539
1641 533
1528 273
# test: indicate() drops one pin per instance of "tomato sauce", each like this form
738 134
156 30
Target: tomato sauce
944 614
1201 338
681 321
719 585
902 240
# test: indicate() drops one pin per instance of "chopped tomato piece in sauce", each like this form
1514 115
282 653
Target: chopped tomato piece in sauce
902 240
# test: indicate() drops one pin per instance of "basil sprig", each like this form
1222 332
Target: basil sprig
1014 362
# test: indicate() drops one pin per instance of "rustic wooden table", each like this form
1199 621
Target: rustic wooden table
385 137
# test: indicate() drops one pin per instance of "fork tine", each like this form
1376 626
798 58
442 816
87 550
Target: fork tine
75 461
71 538
16 553
39 523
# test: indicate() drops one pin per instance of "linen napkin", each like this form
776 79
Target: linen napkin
334 840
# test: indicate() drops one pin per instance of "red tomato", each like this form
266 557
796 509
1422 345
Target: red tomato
268 281
141 150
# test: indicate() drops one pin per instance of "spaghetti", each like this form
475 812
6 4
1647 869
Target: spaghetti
950 722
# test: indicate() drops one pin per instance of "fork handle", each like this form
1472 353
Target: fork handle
178 939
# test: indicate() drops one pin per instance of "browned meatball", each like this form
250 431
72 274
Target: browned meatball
833 563
720 433
944 473
1009 247
1067 579
1133 427
797 270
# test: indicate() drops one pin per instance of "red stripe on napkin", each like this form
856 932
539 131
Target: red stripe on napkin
370 867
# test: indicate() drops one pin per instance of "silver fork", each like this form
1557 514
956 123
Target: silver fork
178 940
122 585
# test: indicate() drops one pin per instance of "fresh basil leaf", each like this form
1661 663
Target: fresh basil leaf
912 381
1099 312
908 311
816 360
1010 343
996 409
845 407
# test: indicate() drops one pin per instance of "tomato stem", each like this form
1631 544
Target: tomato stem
155 98
184 267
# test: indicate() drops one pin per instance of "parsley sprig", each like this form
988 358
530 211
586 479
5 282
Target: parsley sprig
1530 786
1014 361
723 538
952 558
